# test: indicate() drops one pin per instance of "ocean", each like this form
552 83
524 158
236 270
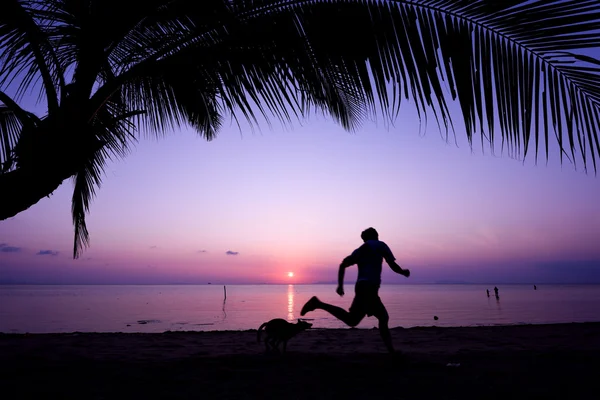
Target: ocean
149 308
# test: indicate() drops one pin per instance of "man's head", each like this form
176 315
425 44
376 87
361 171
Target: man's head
369 234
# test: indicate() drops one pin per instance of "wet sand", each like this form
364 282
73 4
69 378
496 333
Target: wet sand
500 362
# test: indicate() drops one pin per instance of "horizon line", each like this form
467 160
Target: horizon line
291 283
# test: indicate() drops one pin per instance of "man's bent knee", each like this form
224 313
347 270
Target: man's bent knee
354 319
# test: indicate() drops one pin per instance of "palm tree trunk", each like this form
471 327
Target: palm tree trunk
22 188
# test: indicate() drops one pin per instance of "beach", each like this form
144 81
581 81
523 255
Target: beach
520 361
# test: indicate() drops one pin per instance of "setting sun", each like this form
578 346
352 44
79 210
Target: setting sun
290 274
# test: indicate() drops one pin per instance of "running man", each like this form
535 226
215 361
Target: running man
369 259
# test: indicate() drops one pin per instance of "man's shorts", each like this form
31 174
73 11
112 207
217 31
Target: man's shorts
367 301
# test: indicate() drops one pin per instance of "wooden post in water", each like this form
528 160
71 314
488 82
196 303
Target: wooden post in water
224 301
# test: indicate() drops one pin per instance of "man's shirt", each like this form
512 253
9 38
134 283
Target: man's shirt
369 259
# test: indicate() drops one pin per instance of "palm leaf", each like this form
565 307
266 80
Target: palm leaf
490 56
27 52
85 181
10 128
114 133
520 70
12 121
502 61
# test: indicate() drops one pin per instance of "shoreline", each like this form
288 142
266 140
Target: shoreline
399 328
549 324
503 361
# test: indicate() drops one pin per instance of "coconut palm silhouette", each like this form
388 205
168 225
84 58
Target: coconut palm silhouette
110 71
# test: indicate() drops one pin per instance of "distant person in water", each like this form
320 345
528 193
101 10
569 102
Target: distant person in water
369 259
496 292
488 292
534 287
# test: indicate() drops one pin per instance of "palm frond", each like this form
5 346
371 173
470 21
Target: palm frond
514 65
27 52
13 119
25 117
114 129
10 127
502 61
114 133
238 71
83 191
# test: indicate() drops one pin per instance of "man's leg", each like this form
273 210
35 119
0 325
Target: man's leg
351 318
384 330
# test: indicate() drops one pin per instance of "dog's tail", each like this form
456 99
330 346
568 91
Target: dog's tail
259 331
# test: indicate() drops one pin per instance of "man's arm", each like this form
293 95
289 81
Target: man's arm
345 264
397 268
391 261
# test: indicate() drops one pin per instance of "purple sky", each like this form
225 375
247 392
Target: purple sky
250 207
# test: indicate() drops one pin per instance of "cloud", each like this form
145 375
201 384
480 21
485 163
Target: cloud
202 251
47 253
5 248
232 253
153 247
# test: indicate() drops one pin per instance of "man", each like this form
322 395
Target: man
369 259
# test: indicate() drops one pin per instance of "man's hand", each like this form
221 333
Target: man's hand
340 290
406 272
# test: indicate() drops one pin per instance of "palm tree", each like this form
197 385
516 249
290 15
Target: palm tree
109 71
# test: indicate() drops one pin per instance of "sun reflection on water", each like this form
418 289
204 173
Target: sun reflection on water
290 297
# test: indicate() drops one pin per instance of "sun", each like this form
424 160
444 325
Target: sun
290 274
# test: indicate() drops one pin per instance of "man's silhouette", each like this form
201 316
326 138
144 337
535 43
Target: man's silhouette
369 259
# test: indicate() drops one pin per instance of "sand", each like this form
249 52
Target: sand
503 362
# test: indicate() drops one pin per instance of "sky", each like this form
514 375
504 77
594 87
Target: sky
252 206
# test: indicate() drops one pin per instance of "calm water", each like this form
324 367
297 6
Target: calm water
43 309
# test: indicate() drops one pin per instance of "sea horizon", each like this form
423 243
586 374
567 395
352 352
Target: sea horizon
495 283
